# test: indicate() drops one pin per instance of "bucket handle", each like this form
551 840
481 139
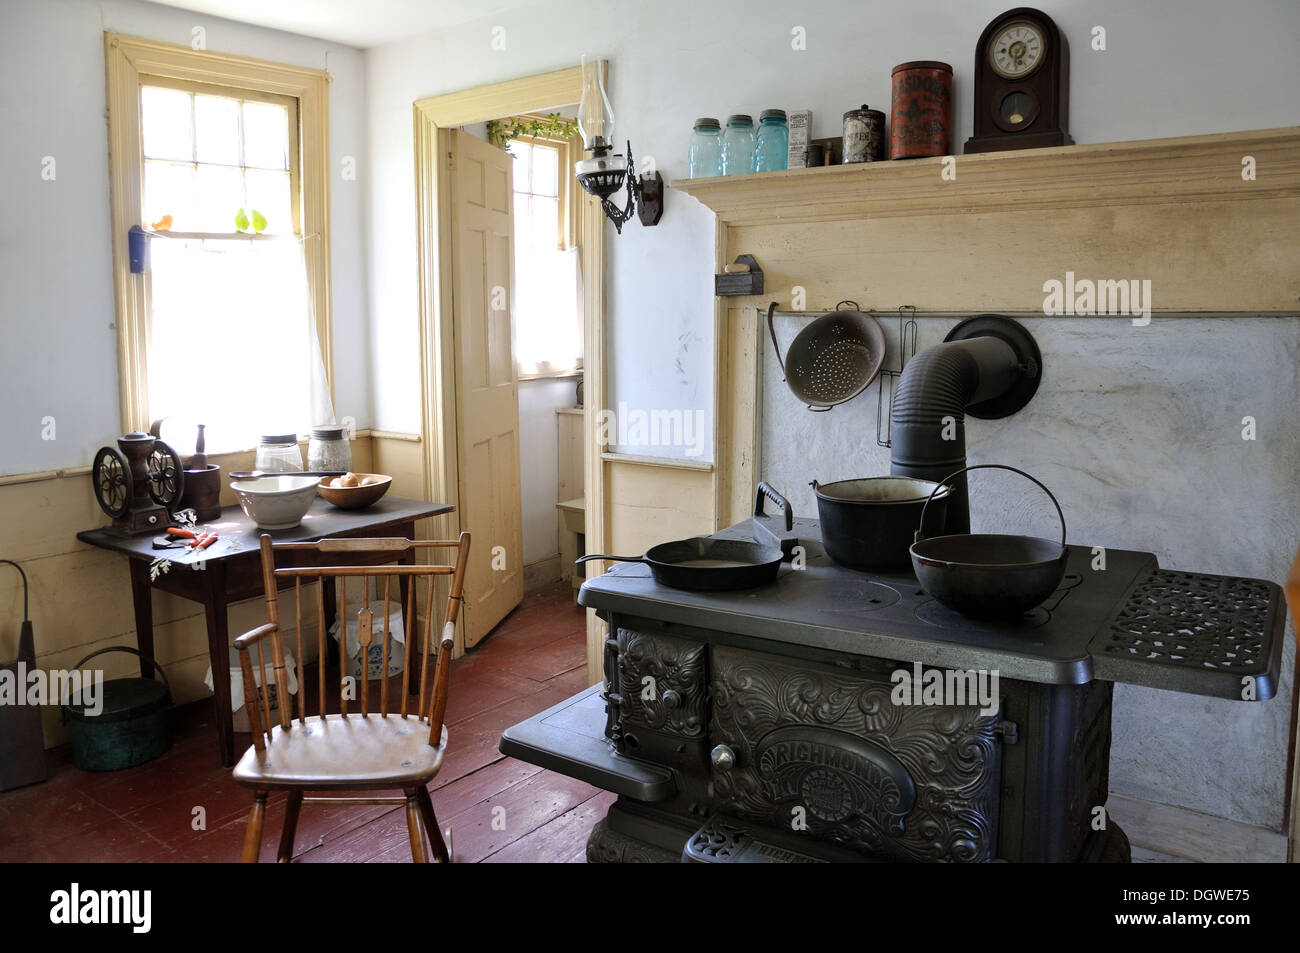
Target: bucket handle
125 648
990 466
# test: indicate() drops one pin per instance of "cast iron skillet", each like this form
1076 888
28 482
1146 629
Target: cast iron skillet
705 564
988 575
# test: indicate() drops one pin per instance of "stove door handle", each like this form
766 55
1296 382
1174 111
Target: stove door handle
723 758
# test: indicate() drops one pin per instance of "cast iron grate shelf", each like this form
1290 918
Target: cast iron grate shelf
1195 632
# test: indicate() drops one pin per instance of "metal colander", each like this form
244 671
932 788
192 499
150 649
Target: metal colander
834 359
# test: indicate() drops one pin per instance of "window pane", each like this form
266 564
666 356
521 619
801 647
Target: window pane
545 223
268 192
216 129
266 136
521 150
546 167
165 121
169 190
219 195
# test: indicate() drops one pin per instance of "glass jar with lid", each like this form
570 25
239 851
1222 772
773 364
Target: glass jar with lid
738 145
279 453
772 144
706 148
329 448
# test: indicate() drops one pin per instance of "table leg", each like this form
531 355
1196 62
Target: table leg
214 607
142 597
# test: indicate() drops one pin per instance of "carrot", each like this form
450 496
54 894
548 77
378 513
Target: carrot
176 531
205 541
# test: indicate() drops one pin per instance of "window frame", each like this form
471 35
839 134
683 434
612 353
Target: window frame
131 62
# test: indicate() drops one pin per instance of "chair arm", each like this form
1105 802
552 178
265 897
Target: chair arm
253 636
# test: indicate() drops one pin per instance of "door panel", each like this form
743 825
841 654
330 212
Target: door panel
487 400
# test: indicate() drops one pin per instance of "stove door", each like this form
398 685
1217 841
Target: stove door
827 752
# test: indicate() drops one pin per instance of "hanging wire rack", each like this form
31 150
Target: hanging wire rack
889 378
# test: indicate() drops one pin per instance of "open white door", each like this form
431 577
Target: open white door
487 400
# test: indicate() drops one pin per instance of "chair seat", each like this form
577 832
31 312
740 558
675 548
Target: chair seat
335 751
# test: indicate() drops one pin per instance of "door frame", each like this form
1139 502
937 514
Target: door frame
434 118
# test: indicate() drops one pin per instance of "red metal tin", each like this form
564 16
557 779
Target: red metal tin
921 120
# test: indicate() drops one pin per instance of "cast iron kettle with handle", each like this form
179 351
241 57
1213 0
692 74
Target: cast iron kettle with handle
708 564
990 576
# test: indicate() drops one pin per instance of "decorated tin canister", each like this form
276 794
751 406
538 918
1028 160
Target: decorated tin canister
864 135
921 120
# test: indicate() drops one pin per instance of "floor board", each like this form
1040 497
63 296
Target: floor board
184 806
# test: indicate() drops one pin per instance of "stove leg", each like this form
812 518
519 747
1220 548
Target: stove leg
608 846
1110 846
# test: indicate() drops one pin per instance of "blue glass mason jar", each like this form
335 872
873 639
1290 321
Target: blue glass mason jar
772 145
706 148
738 145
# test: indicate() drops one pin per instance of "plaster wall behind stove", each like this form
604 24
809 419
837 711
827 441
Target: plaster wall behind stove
1138 432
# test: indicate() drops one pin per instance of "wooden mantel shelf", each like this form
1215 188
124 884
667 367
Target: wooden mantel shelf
1147 172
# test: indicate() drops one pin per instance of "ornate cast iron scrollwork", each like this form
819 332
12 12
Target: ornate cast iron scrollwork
663 683
950 756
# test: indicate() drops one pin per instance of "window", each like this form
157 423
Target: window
209 152
222 161
548 323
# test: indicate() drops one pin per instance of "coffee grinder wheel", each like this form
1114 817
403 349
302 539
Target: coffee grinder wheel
166 475
114 486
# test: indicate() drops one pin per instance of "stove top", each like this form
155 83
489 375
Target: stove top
1110 620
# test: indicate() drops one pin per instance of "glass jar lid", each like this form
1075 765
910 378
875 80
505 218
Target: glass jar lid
328 432
740 119
772 114
278 438
706 122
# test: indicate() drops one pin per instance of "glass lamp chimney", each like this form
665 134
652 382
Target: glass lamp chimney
595 115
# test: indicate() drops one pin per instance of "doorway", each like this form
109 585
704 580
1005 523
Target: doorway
437 122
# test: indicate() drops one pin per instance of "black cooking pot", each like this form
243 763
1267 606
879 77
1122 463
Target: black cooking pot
991 576
870 523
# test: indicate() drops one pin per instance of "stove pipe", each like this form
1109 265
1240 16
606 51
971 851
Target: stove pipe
933 395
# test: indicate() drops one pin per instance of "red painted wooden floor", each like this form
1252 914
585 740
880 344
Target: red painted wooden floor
535 658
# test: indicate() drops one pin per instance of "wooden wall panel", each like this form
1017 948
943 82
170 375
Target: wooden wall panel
81 596
648 504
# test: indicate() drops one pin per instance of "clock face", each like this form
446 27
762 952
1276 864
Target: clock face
1017 49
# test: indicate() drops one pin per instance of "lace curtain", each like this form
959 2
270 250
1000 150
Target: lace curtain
233 341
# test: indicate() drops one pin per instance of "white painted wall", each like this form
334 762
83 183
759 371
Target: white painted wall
1135 439
59 350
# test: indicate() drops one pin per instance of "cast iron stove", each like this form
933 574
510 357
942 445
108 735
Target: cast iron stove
763 725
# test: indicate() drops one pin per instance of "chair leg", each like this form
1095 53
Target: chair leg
291 809
418 854
431 826
253 836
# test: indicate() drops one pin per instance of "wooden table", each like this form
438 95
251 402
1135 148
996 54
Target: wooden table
230 570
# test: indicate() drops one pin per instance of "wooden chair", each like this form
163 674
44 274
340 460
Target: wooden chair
351 750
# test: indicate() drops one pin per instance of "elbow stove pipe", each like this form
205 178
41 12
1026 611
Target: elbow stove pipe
988 367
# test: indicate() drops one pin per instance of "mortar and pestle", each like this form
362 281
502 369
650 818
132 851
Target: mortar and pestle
202 484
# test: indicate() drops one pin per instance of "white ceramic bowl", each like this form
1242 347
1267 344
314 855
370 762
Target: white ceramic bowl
276 502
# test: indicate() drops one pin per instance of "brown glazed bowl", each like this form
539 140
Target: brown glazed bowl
354 497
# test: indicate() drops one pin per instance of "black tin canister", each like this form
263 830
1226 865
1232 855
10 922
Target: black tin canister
864 135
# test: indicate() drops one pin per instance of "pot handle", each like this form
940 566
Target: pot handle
771 329
613 559
126 648
990 466
765 490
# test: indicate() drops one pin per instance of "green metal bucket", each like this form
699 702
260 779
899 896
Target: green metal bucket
130 729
